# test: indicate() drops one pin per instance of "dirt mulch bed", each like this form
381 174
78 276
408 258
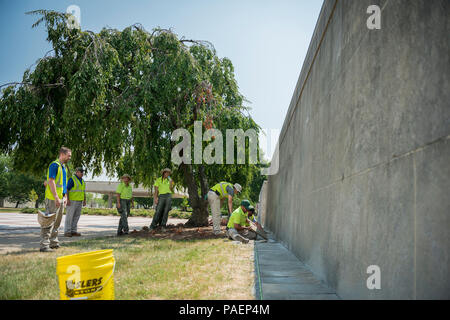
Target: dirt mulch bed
178 232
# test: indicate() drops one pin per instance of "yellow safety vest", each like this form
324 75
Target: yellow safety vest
58 182
222 189
77 192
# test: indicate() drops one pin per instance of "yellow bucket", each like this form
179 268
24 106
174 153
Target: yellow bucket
86 275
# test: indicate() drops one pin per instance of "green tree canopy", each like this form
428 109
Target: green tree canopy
17 186
115 97
4 164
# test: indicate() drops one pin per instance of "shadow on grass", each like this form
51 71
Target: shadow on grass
127 242
145 238
23 251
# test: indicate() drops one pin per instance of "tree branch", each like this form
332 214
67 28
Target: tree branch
49 85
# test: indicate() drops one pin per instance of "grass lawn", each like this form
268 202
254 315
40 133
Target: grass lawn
145 269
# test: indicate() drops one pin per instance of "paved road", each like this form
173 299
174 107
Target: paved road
20 231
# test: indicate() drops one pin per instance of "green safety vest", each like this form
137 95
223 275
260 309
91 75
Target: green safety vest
78 190
58 182
222 188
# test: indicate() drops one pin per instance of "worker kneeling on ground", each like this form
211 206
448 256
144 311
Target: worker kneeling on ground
237 224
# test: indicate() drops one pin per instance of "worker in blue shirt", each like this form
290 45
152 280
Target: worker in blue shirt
55 201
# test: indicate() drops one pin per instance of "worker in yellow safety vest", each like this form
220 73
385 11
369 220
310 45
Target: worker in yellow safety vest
77 199
216 196
125 201
55 201
162 199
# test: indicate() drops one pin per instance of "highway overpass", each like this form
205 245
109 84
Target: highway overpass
109 188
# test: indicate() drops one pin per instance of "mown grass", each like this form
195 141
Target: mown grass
145 269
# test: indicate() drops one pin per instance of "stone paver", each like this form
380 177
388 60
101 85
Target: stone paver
282 276
21 231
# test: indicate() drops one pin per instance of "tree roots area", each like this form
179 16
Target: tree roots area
179 232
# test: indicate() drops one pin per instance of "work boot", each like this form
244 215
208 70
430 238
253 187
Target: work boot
66 234
241 238
46 250
56 246
76 234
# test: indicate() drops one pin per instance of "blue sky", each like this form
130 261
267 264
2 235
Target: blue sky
266 40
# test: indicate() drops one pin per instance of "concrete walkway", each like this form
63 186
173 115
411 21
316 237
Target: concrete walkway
21 231
281 276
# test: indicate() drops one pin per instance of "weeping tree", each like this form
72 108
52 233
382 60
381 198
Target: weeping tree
115 98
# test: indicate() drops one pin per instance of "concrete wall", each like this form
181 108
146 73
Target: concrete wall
364 152
262 204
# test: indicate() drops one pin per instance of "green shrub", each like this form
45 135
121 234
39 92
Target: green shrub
174 213
29 210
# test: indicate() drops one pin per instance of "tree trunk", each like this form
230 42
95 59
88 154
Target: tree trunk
36 204
17 204
199 217
203 181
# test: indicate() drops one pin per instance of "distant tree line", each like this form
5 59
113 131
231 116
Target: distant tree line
18 187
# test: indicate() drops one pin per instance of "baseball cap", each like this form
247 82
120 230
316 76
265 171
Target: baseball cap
246 204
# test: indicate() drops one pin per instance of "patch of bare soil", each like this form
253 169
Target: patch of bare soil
178 232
